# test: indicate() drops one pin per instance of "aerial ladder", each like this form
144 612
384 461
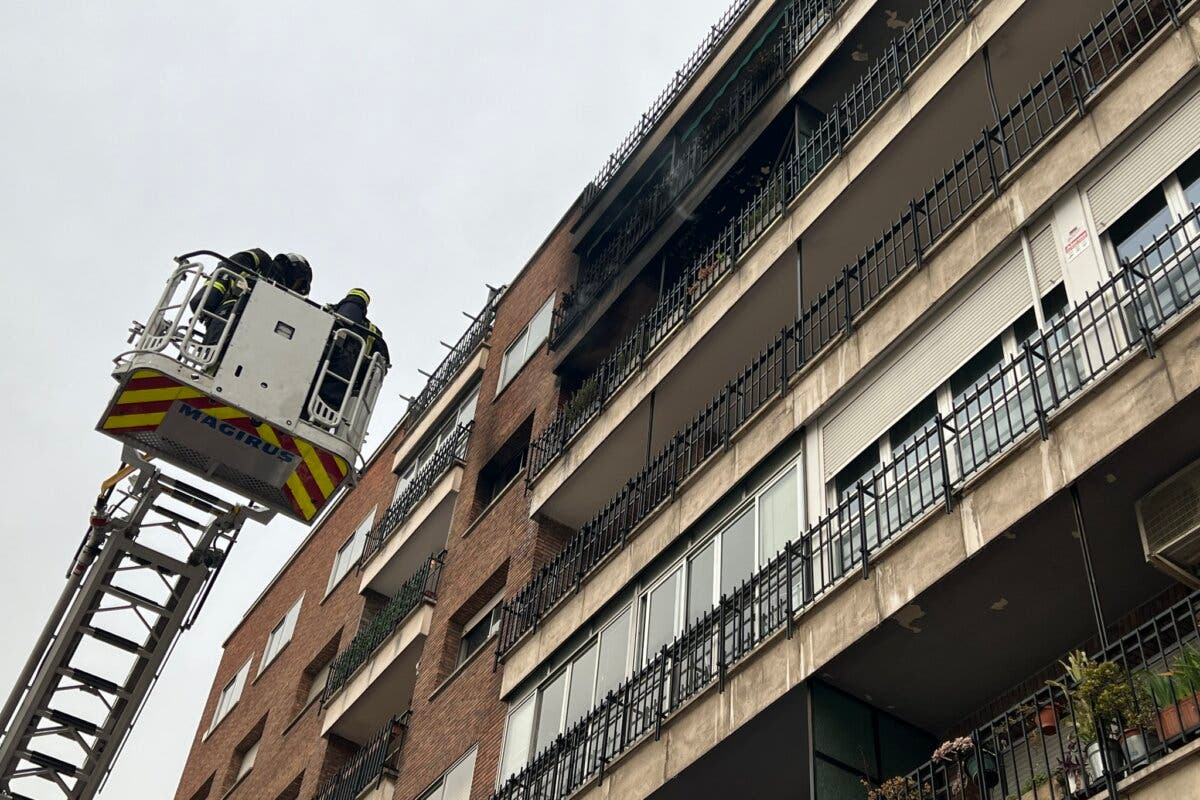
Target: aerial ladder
224 416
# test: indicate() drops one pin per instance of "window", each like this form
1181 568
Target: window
348 554
1189 180
1138 226
518 737
504 466
526 344
230 695
480 628
455 784
317 685
246 762
281 634
462 415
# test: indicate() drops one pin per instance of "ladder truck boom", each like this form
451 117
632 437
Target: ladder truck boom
205 405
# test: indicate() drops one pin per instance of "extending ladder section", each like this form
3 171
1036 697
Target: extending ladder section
138 579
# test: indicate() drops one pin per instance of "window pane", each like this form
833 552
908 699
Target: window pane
912 425
1140 224
247 760
318 684
517 738
778 515
539 326
737 552
457 785
700 598
1189 176
466 412
583 680
662 607
514 358
614 654
843 729
968 375
861 467
550 713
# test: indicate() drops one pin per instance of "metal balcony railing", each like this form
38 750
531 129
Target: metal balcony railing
1058 96
734 239
420 588
475 335
373 761
1021 396
699 57
450 453
795 27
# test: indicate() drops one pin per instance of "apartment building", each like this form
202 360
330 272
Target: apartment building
840 442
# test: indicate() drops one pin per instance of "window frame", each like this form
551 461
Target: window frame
528 346
437 789
354 540
221 711
288 621
243 768
489 613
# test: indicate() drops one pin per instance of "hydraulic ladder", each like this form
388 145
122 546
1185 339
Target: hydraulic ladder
150 555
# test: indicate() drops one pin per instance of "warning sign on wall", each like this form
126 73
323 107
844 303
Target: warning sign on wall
1077 241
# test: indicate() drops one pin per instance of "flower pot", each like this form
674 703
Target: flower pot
1175 719
1116 760
1075 781
1133 743
991 770
1048 719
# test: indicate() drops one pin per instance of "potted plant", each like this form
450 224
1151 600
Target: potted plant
1104 701
1175 694
952 755
898 788
1069 772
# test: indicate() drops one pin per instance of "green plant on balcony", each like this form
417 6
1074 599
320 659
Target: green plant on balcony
1174 694
898 788
583 398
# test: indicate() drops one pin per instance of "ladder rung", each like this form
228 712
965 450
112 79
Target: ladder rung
120 642
177 488
135 598
71 721
180 518
94 681
50 762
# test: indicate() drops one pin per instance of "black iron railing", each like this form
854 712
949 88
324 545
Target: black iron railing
666 98
733 240
373 761
1022 396
467 344
450 453
1034 750
420 588
975 175
797 24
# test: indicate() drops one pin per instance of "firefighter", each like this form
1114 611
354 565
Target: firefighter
290 270
353 309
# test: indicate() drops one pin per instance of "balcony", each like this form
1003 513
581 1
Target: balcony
834 315
824 566
738 286
371 773
374 676
418 520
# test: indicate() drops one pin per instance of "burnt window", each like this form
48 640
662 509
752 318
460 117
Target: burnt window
504 466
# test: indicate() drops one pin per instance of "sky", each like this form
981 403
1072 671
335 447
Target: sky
419 150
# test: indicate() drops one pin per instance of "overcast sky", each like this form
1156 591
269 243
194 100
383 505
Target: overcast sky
416 149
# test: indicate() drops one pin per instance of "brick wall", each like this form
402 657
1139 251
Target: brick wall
291 742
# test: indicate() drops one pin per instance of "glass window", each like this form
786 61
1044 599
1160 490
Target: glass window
550 711
861 467
517 738
318 684
737 552
1139 225
281 634
661 613
1189 177
466 411
480 628
700 599
456 783
230 694
912 425
778 515
614 654
583 681
525 345
348 554
247 760
965 378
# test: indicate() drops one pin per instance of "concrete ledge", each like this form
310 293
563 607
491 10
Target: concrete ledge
1076 148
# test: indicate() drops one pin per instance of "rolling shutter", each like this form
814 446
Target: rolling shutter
1046 266
928 361
1146 164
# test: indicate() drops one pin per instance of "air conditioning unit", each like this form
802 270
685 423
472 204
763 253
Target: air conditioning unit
1169 520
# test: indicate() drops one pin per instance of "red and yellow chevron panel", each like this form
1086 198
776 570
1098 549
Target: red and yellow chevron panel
305 475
